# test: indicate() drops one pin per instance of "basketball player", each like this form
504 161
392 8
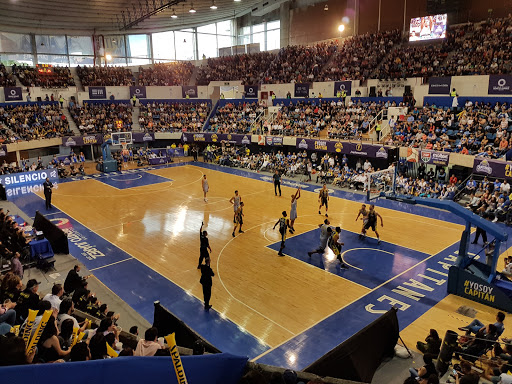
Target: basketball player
323 198
372 223
239 219
364 215
235 200
284 224
204 247
293 210
205 187
325 234
335 244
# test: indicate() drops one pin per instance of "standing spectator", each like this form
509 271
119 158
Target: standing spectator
16 266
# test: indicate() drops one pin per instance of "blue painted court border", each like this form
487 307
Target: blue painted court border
305 348
140 286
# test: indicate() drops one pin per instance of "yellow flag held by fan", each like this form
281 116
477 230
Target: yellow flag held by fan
176 359
111 352
28 326
39 331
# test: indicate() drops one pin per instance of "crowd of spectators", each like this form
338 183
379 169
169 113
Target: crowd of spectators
105 76
359 56
249 68
102 118
59 77
486 49
481 129
235 118
29 122
299 64
178 73
182 117
6 79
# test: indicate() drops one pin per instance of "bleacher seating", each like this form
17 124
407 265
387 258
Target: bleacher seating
102 118
173 116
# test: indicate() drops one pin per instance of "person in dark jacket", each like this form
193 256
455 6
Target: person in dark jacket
73 280
431 345
206 282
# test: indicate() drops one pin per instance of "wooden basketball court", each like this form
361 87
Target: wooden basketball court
155 215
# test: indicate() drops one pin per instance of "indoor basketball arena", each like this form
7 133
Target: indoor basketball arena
256 192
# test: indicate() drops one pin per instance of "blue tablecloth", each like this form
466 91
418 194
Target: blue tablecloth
159 160
40 247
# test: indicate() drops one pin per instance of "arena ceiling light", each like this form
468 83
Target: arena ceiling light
326 7
237 1
341 27
174 15
213 6
192 10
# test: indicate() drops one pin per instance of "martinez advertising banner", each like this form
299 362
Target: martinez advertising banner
190 90
495 168
139 91
357 149
500 85
188 137
251 91
343 85
301 90
77 141
97 93
439 85
141 137
434 157
13 94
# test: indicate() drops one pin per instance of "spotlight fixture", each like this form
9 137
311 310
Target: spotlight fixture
108 57
192 10
326 7
341 27
213 6
237 1
174 15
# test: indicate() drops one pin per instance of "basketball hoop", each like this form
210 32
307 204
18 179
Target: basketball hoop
124 148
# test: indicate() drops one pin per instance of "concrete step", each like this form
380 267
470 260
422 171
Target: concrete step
72 123
78 83
135 119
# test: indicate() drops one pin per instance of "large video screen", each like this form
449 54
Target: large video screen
428 28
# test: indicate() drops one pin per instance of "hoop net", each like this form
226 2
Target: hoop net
380 182
124 148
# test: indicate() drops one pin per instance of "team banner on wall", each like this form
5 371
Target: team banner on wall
97 93
434 157
13 94
274 140
251 91
139 91
141 137
76 141
343 85
204 137
495 168
500 85
3 150
190 90
356 149
301 90
439 85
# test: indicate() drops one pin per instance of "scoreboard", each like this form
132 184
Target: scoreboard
44 69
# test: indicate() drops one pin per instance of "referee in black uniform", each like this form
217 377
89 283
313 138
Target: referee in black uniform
206 282
205 246
47 185
277 182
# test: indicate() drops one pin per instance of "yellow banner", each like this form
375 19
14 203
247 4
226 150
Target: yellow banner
30 324
39 331
75 333
176 359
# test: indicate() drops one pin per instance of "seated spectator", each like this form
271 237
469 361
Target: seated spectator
55 298
59 77
476 325
178 73
73 280
49 348
65 313
173 117
432 344
102 118
425 371
105 76
80 352
12 351
98 347
149 345
28 299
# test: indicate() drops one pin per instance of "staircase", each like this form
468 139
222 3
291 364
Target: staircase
78 83
72 124
193 77
135 120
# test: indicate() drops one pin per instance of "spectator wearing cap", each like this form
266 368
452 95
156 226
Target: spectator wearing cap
28 299
149 345
55 297
16 266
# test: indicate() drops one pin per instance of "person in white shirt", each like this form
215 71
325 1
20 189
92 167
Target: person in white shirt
55 297
367 165
505 187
